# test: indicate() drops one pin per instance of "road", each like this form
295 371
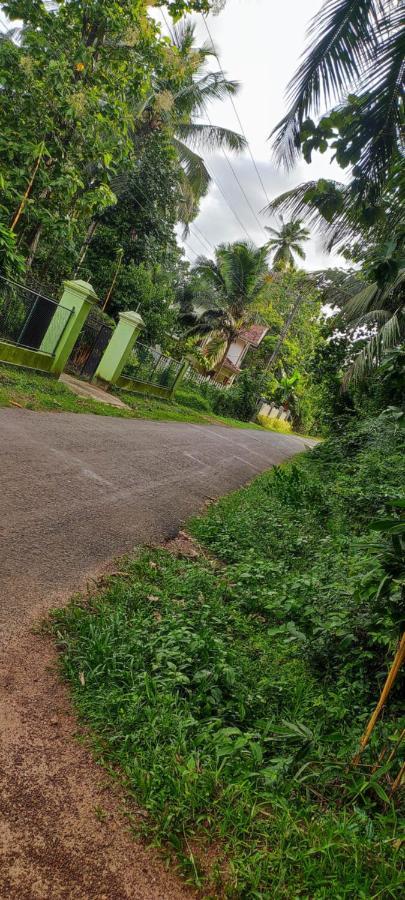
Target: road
77 491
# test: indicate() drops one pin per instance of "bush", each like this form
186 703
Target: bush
274 424
193 399
240 401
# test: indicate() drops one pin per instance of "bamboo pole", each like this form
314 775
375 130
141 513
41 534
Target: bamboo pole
391 677
109 292
23 203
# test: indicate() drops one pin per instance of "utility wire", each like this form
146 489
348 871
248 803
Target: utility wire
240 185
237 114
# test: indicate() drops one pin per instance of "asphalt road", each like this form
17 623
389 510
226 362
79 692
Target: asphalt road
78 490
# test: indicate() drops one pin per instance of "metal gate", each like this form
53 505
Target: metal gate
89 348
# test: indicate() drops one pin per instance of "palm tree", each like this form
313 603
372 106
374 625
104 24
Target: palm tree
382 311
232 283
286 241
357 47
182 106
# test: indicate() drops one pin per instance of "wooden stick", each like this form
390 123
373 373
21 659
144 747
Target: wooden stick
396 665
22 205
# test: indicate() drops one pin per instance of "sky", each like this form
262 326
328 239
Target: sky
259 43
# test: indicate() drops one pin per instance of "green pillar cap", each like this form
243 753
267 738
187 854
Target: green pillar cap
81 287
132 317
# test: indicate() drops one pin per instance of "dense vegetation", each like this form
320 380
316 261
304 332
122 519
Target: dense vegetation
232 696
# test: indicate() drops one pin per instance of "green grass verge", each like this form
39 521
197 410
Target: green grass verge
231 697
33 390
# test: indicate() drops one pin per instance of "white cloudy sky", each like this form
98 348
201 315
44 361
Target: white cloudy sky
259 44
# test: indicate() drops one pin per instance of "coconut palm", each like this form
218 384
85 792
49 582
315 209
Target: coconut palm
357 47
180 101
232 283
382 311
286 241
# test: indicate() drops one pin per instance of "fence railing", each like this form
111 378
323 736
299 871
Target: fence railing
26 316
197 378
150 366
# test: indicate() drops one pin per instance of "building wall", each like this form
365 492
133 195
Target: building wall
236 351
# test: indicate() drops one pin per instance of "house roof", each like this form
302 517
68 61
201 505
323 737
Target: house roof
254 334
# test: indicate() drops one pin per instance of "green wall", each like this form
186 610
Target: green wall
21 356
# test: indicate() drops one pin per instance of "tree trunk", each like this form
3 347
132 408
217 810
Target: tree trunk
34 246
24 200
290 318
85 245
224 356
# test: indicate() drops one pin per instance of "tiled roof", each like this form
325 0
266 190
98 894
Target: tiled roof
254 335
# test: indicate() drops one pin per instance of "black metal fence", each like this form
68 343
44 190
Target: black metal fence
90 346
26 316
151 366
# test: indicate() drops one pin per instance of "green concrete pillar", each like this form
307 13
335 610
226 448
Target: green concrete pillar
79 297
119 348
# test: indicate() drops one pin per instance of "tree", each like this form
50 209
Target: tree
228 288
286 241
71 86
182 94
357 46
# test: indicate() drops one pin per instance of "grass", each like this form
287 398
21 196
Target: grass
231 695
32 390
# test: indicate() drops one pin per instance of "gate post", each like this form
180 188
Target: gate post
79 297
119 348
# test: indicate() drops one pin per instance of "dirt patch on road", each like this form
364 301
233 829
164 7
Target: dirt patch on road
63 829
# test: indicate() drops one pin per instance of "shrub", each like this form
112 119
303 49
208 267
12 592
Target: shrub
193 399
274 424
239 401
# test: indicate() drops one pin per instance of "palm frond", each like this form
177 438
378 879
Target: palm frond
210 137
370 356
381 110
195 169
195 97
343 36
366 300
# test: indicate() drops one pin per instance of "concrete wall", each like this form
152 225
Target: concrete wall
143 387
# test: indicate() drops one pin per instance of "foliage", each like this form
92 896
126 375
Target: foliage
99 137
241 400
217 299
232 697
358 47
273 424
193 399
286 241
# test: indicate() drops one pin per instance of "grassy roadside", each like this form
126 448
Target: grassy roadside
231 696
32 390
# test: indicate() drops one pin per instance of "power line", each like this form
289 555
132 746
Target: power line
238 182
237 114
207 241
204 246
235 214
